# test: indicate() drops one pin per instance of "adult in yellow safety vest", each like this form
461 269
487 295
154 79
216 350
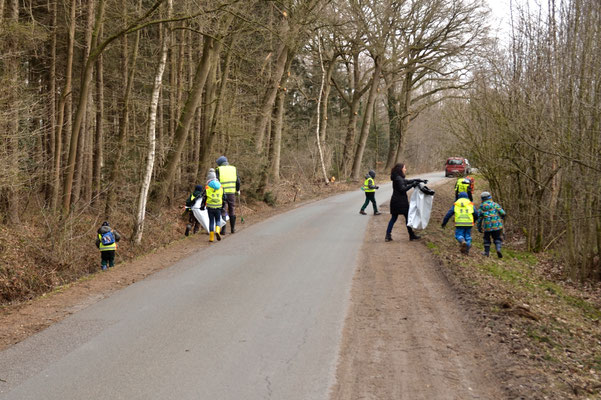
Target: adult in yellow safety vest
228 177
369 187
106 241
213 201
465 214
464 184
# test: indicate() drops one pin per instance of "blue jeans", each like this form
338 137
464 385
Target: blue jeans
214 218
464 234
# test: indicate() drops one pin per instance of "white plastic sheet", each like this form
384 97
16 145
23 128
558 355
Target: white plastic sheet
420 206
202 216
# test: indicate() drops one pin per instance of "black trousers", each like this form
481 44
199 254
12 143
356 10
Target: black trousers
107 257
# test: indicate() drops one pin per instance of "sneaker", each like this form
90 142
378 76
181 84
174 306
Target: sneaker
388 238
377 213
485 254
415 237
362 212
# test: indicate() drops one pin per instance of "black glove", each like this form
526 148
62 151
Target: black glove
425 181
377 187
202 208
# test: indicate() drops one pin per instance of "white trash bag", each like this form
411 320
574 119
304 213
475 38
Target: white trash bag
202 216
420 206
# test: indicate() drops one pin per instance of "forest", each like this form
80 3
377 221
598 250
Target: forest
114 110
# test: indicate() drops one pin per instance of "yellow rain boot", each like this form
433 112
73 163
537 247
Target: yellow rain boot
218 232
211 236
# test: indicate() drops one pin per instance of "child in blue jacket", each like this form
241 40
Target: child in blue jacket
465 216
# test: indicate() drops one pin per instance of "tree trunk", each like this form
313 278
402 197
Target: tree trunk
183 127
208 145
324 78
85 136
61 131
52 156
393 132
276 144
152 117
99 134
269 97
129 72
13 72
367 119
83 100
403 120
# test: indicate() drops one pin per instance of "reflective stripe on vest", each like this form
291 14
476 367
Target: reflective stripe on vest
366 185
214 197
106 247
461 187
227 177
464 212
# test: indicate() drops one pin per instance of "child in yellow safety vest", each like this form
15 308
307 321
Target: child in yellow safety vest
466 185
213 201
465 216
106 241
369 187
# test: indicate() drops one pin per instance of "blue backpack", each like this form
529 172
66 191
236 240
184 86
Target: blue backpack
107 238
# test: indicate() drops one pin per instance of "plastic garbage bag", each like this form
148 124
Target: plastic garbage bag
202 216
420 206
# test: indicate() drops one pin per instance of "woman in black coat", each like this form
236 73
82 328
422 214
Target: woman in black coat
399 204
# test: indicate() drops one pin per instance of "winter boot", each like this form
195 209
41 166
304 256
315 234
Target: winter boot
486 251
187 230
233 224
362 212
217 232
211 236
463 247
413 236
388 237
498 247
467 250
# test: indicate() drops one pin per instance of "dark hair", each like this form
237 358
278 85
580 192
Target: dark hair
398 170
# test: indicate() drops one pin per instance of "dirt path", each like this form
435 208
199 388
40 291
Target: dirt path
406 335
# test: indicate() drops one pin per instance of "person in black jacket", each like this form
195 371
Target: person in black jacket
192 221
399 203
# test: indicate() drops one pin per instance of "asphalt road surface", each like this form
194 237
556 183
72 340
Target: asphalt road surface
256 316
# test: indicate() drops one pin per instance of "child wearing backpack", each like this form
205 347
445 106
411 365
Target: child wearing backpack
465 216
107 243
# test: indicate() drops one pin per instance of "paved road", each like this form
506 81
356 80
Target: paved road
256 316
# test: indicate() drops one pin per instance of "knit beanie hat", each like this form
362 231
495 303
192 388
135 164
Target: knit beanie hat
221 160
211 175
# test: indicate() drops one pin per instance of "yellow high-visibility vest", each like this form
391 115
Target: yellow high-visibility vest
366 185
464 212
461 187
228 178
214 197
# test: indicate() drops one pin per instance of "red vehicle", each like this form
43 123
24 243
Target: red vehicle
457 166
